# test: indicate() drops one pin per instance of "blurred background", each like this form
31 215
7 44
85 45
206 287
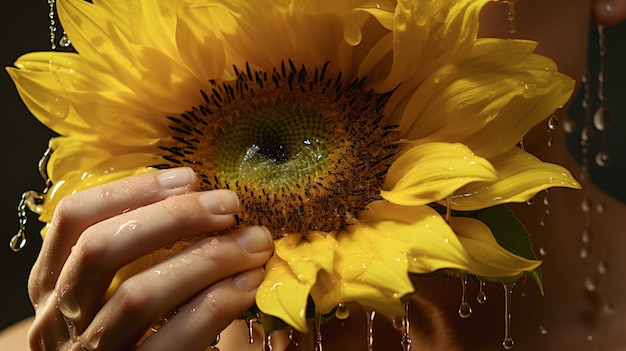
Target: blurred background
24 28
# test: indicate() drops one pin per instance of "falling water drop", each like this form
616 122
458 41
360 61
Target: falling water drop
318 333
602 118
543 330
585 135
342 311
586 235
406 333
553 123
465 310
507 343
65 41
603 159
608 309
250 322
370 329
510 16
584 252
481 298
585 205
52 26
590 284
569 125
602 267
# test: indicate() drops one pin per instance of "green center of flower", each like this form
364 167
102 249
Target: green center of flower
305 152
274 146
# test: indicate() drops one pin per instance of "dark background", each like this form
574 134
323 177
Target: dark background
24 28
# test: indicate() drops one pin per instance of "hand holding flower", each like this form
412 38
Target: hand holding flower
96 232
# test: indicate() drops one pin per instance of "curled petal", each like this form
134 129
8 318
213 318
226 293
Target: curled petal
283 295
485 251
521 176
430 172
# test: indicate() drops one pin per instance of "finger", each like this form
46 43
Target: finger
77 212
49 328
142 299
199 323
107 246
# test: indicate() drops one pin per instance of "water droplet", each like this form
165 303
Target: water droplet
370 329
584 252
585 205
481 298
465 310
602 118
342 312
318 333
59 107
530 202
543 330
602 267
65 41
600 208
529 90
18 241
250 322
546 201
553 123
603 159
586 235
510 16
590 284
608 309
586 134
507 343
542 251
569 125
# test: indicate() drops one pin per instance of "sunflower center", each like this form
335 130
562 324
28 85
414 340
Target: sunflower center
274 146
305 152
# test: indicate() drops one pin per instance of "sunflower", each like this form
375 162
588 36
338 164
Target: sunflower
345 127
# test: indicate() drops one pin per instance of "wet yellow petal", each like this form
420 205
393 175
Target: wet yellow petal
283 295
307 255
485 251
428 34
430 244
433 171
521 176
497 94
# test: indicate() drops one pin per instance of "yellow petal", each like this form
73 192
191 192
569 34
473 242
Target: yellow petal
428 34
430 172
307 255
283 295
497 95
430 244
485 251
521 176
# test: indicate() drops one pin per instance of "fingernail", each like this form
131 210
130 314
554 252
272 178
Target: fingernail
67 303
176 177
249 280
220 201
254 239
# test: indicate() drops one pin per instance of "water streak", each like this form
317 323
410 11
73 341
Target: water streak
508 342
370 329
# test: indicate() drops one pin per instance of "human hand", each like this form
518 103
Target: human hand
96 232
